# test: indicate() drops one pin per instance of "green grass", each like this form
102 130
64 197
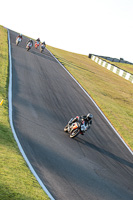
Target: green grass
113 94
16 180
127 67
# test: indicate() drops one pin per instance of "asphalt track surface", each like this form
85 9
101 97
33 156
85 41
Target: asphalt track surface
96 166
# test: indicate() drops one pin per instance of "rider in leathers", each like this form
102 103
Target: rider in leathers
86 118
19 36
44 44
31 41
38 40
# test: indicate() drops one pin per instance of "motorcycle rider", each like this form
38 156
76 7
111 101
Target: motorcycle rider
38 41
43 43
86 118
19 36
30 41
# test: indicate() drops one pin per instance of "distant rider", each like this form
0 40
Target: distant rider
38 41
43 43
86 118
19 36
30 41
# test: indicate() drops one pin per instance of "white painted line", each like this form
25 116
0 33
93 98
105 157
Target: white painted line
109 66
127 76
104 63
100 61
94 104
96 59
115 69
121 72
12 126
93 58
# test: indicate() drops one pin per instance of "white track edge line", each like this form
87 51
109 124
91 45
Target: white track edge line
94 104
12 126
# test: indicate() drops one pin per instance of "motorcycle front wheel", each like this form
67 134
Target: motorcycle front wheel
74 133
66 128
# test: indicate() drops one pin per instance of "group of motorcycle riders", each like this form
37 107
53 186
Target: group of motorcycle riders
29 43
77 125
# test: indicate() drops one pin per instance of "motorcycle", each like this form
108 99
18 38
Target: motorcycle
28 46
37 44
42 47
18 40
76 128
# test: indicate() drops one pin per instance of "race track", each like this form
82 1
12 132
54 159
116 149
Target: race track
96 166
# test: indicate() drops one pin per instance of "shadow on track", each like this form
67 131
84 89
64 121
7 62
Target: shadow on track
106 153
36 52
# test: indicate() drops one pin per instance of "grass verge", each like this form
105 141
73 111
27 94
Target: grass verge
126 67
16 180
113 94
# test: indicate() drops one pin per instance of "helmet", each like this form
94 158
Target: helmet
89 116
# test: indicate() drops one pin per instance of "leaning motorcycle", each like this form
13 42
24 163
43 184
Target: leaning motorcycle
18 40
76 128
42 47
37 44
28 46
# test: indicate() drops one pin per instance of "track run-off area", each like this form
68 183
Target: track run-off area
96 166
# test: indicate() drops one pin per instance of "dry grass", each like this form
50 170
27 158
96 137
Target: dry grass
113 94
126 67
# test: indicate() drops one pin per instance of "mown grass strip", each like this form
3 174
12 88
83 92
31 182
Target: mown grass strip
113 94
16 180
126 67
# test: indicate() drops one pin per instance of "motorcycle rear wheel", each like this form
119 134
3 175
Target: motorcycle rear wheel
74 133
